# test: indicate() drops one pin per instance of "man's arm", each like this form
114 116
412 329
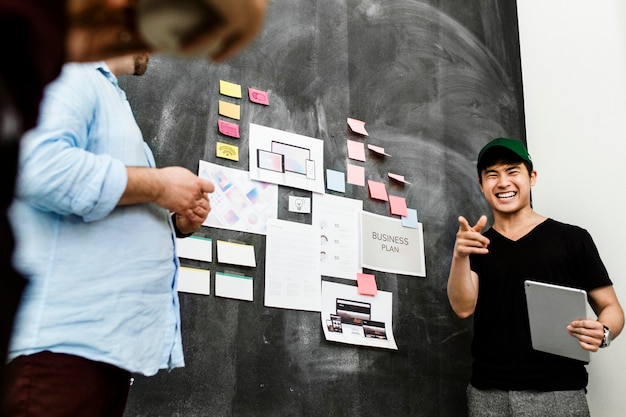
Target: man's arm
174 188
605 304
462 281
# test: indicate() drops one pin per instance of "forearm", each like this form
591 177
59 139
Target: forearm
462 286
612 316
143 185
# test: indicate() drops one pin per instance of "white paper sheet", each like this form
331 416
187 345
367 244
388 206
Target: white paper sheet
348 317
238 203
390 247
299 159
339 219
292 268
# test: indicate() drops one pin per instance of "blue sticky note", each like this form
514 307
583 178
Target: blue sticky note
336 180
410 220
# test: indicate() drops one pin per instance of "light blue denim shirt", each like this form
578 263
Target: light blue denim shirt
102 278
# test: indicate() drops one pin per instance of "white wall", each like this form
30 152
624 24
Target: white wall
574 73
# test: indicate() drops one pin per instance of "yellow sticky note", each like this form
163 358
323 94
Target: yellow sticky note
226 151
230 89
229 110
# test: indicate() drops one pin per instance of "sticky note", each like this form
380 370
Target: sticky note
335 180
230 89
366 284
226 151
235 253
410 220
235 286
377 149
259 97
194 280
356 150
229 109
398 205
377 190
228 128
356 175
398 177
195 247
357 126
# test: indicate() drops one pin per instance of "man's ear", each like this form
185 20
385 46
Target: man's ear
533 177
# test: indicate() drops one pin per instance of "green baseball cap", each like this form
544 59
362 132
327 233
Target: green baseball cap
514 145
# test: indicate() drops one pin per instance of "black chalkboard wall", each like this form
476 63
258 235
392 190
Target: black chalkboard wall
433 81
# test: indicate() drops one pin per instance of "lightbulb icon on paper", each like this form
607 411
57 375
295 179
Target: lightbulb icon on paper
299 204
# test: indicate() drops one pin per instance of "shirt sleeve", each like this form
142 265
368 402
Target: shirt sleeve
58 172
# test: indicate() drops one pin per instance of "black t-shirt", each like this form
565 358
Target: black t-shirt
552 252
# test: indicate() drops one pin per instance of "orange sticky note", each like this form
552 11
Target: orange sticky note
398 205
366 284
229 109
377 190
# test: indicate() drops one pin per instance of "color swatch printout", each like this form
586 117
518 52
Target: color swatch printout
239 203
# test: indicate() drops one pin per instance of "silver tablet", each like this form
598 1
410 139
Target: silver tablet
550 309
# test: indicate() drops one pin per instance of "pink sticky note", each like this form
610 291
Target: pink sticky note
357 126
366 284
398 205
228 128
399 178
356 150
258 96
377 190
377 149
356 175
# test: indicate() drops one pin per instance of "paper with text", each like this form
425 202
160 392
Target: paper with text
339 221
292 268
389 247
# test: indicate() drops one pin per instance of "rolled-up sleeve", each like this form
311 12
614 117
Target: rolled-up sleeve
62 168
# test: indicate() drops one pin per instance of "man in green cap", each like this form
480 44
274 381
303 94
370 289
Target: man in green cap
486 281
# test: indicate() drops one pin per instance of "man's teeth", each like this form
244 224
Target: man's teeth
506 195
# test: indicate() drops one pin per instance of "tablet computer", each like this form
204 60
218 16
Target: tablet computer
550 309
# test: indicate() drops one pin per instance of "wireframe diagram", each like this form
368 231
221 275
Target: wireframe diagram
286 158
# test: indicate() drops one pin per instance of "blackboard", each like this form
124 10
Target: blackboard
433 81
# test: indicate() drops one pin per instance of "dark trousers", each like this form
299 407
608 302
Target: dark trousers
498 403
50 384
